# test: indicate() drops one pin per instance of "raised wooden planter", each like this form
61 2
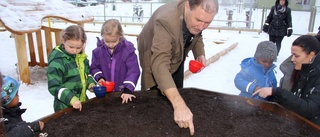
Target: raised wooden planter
214 114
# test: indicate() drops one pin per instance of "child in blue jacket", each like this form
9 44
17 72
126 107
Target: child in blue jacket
258 71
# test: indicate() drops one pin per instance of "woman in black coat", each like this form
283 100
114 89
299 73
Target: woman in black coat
303 97
279 22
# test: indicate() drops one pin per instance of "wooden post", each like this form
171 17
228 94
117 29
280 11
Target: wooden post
40 49
48 36
33 60
23 65
57 37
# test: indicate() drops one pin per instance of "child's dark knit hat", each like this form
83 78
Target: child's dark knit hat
10 88
266 50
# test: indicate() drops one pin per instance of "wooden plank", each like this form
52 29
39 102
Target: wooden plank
2 29
57 37
23 65
48 39
212 59
81 24
235 29
40 49
33 60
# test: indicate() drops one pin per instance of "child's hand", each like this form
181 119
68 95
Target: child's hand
125 97
90 87
100 81
41 125
77 105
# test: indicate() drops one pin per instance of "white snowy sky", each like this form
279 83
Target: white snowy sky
218 76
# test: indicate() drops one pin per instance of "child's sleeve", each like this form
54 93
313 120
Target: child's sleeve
133 72
35 126
243 83
23 129
95 68
56 84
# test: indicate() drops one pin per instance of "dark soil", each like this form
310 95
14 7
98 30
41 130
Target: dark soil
215 114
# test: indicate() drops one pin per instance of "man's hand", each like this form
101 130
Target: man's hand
202 59
184 117
182 114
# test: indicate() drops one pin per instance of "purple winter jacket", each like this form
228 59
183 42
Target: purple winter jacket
120 67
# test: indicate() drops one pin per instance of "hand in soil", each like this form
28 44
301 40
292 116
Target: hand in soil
182 114
127 97
77 105
184 118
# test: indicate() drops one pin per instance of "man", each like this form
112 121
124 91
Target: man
172 31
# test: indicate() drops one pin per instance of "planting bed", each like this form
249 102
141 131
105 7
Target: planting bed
150 114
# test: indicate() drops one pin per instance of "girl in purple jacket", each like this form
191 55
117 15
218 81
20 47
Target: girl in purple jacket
115 60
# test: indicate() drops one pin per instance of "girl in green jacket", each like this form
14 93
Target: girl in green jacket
68 70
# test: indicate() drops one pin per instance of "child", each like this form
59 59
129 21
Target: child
68 70
258 71
115 60
13 123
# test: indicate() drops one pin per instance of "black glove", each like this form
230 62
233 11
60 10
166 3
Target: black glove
265 28
289 32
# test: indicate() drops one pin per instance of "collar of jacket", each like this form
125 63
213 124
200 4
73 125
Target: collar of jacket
121 41
16 111
286 67
312 68
253 61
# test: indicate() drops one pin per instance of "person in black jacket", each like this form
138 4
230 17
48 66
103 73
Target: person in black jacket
279 22
303 97
14 126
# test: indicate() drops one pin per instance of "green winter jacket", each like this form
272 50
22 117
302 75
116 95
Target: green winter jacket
67 77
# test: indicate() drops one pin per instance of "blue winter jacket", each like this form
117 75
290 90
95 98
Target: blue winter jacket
252 75
120 67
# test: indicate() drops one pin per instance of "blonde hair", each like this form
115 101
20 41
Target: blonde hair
112 27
